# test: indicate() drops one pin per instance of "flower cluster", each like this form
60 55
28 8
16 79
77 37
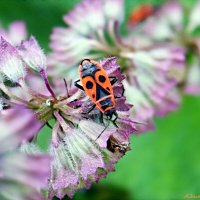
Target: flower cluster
83 147
177 28
151 69
85 144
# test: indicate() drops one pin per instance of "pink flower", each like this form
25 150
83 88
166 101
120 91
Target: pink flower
162 26
148 67
83 147
21 175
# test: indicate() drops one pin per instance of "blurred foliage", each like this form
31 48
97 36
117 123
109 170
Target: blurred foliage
163 164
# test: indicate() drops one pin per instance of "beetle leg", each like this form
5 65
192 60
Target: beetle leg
102 131
114 120
78 85
101 118
92 108
114 80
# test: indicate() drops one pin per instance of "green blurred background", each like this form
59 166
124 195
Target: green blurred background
164 164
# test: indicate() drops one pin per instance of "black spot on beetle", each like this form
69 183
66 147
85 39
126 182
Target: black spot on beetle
102 78
89 85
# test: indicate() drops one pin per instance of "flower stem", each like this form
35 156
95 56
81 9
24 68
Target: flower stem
101 38
113 33
44 76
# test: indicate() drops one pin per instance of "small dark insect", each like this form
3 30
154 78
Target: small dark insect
115 146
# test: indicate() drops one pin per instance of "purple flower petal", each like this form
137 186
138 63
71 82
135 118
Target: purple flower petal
93 20
78 159
35 174
32 54
10 62
16 191
18 124
169 104
17 32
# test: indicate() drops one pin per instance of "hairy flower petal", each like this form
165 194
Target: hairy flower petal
78 159
10 62
32 54
92 21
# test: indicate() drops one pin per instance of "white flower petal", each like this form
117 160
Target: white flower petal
194 19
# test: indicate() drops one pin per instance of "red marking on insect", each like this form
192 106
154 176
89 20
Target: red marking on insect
141 13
